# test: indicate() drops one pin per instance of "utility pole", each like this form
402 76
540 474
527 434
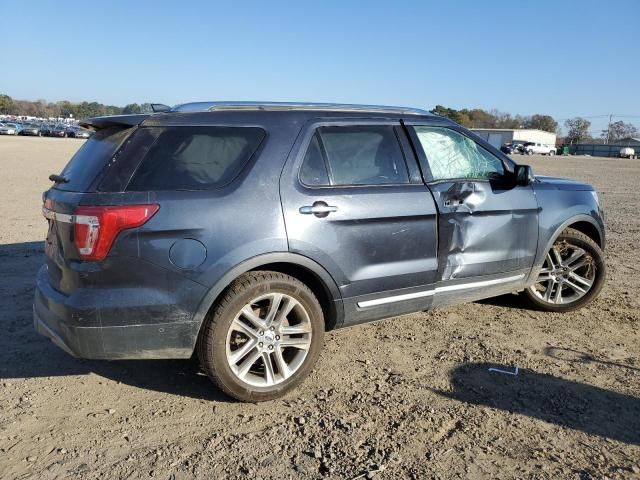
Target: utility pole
606 142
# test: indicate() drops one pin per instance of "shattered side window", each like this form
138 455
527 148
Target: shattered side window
452 155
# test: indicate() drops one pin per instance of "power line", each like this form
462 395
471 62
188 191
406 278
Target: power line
618 115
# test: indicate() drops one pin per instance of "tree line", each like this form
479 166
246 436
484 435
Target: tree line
578 128
478 118
44 109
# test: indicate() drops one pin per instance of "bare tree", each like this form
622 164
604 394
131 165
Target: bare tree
578 129
619 130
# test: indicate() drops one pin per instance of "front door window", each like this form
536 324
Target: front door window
451 155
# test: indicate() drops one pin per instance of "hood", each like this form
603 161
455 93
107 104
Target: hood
563 183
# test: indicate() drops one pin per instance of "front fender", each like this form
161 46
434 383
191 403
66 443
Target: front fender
551 236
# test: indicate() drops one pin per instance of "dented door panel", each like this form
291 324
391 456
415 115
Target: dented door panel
484 229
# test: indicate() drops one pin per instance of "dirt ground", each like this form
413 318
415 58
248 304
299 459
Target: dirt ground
409 397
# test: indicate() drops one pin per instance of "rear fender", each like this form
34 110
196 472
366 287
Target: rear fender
332 290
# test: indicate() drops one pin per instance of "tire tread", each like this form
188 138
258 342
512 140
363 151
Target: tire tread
592 294
246 281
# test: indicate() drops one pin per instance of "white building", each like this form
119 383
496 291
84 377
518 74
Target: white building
499 136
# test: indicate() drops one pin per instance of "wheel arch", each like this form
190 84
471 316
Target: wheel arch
583 223
590 229
298 266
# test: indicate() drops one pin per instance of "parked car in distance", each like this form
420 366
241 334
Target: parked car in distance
538 148
46 129
627 152
31 129
513 147
242 232
8 129
77 132
59 131
519 146
17 126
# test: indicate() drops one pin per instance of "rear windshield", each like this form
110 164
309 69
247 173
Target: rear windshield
91 158
196 158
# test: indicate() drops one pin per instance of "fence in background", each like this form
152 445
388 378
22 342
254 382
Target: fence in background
596 150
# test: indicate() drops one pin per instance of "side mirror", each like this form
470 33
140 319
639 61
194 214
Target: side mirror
524 175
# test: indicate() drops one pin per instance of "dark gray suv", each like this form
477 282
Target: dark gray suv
244 231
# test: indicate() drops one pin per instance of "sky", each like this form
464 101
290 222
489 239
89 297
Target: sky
559 57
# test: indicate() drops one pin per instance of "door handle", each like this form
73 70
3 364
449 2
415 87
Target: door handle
319 209
456 202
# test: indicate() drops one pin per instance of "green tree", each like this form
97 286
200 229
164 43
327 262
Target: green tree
450 113
145 108
578 129
542 122
478 118
132 108
6 104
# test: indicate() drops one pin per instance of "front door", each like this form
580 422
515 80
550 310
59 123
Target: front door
354 202
488 226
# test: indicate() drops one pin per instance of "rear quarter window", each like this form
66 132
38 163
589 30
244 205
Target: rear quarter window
91 158
196 158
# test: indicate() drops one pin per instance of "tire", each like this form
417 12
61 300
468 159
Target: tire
569 243
529 152
551 153
233 350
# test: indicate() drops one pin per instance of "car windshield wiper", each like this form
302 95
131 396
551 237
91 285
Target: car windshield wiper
58 178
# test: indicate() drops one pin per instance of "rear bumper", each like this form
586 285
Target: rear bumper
55 318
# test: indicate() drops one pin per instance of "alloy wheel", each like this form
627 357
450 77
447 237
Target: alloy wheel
567 275
268 340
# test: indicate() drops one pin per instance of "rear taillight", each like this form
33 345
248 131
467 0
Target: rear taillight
95 228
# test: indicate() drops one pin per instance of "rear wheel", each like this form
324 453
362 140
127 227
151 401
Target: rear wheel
551 153
572 275
263 337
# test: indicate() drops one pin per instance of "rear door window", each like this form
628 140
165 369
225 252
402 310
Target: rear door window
354 155
314 169
196 158
91 158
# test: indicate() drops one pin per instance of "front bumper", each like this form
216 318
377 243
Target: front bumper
55 318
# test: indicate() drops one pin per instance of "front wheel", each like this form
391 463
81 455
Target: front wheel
529 152
552 153
572 275
263 337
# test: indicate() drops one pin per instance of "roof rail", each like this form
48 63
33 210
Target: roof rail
274 106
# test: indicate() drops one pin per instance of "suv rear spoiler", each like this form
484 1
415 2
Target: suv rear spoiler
98 123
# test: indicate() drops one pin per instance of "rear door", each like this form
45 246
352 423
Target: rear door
488 226
354 202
